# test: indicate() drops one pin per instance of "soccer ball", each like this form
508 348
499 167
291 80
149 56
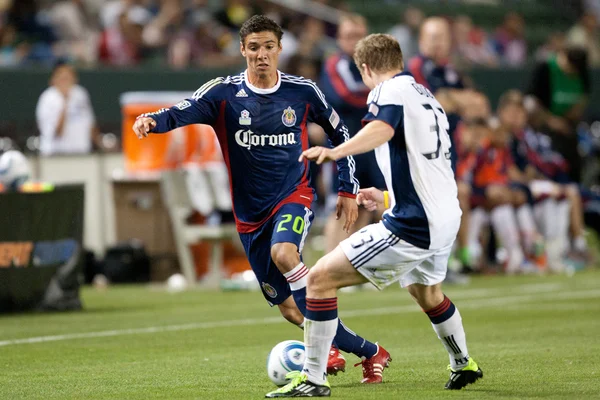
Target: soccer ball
14 169
285 357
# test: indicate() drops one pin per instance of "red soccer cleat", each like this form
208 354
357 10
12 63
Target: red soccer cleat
373 367
336 361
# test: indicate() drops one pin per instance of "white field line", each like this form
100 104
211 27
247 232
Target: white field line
467 304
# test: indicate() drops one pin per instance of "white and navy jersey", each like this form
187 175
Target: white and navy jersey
262 133
415 163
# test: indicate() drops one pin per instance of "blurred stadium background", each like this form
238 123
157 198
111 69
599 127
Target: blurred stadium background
158 211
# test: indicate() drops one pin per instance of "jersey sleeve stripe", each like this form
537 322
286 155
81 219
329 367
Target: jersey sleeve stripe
351 165
206 87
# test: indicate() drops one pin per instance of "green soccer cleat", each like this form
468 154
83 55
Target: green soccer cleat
460 379
300 386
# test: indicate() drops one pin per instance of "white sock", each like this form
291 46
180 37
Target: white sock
563 217
297 277
579 243
547 216
449 329
505 226
318 336
477 220
527 225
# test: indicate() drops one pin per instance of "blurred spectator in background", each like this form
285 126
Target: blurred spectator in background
585 34
471 45
34 32
64 115
555 42
345 91
77 31
13 51
112 9
509 41
201 44
407 32
306 67
235 12
311 39
122 44
431 68
558 96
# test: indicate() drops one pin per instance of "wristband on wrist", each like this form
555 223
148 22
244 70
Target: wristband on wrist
386 199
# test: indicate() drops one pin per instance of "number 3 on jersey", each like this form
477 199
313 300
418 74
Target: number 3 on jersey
435 154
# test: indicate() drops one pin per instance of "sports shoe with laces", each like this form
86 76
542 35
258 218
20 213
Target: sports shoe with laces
461 378
300 386
336 361
373 367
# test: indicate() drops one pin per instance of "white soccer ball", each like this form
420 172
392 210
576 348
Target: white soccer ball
14 169
285 357
176 283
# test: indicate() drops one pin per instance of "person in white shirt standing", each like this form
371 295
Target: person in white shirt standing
65 116
408 129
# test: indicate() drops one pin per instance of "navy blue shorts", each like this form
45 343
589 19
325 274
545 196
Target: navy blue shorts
289 225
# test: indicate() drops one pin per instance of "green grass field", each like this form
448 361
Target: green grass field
534 337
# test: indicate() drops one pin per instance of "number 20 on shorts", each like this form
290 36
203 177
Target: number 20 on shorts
298 225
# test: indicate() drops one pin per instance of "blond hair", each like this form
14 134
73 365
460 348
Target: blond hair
381 52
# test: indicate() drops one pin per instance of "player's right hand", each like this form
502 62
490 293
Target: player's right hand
142 126
370 198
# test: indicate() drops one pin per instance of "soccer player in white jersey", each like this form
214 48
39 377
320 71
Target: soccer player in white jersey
407 127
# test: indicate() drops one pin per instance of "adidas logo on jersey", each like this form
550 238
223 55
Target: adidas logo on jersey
241 93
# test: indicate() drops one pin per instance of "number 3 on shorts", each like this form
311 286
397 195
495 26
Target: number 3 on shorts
360 238
297 227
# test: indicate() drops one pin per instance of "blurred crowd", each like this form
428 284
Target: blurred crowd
527 171
200 33
529 168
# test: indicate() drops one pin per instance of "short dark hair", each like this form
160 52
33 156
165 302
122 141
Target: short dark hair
260 23
59 63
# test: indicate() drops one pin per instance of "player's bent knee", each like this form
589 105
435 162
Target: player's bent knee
285 256
427 297
318 280
519 198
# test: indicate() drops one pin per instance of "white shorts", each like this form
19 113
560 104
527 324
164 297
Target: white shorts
383 258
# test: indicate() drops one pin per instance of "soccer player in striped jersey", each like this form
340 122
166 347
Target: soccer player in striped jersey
260 119
407 128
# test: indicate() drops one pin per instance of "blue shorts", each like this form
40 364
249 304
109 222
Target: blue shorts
289 225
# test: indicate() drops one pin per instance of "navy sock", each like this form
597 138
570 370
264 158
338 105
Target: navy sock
350 342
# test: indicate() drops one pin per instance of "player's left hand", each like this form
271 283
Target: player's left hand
349 207
319 154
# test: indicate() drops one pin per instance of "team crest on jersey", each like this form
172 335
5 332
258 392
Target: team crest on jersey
245 118
269 290
289 117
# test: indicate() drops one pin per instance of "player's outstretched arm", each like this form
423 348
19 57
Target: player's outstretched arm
201 108
368 138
